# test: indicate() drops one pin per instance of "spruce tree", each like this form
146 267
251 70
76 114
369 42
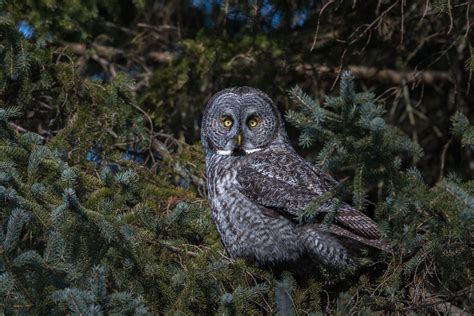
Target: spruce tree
428 226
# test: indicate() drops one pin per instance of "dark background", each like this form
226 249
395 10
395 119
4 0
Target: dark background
415 56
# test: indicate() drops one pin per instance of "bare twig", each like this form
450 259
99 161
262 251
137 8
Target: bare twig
402 33
427 5
379 17
411 116
340 67
450 13
150 121
178 250
443 157
317 25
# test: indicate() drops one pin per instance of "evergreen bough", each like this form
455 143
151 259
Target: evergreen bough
430 227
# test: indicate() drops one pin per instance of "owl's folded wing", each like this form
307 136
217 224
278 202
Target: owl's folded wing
290 184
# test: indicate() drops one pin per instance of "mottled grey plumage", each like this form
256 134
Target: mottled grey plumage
258 185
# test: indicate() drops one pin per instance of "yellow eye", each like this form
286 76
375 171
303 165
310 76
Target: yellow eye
252 123
227 122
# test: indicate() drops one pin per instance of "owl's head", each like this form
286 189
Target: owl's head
239 121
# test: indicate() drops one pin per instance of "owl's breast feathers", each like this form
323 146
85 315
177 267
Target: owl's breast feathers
247 229
256 199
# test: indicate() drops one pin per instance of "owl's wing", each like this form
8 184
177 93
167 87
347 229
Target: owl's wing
288 183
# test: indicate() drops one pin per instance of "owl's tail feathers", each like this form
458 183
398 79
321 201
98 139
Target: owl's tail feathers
335 246
352 238
379 243
324 248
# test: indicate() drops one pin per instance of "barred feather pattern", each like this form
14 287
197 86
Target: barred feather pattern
258 192
248 230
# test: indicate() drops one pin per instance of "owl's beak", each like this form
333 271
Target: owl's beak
238 139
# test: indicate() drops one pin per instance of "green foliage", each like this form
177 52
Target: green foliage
72 19
429 226
31 74
470 61
67 237
187 81
110 237
84 229
99 243
94 299
353 134
463 129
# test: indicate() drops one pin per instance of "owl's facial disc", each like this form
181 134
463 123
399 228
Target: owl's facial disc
239 124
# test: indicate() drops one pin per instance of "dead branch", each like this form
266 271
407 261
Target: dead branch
428 77
162 57
109 52
22 129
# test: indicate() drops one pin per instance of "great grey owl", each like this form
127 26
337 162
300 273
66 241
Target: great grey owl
258 185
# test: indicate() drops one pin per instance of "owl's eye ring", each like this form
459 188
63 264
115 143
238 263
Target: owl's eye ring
253 122
227 122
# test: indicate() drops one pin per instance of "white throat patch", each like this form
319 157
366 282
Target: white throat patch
229 152
224 152
249 151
